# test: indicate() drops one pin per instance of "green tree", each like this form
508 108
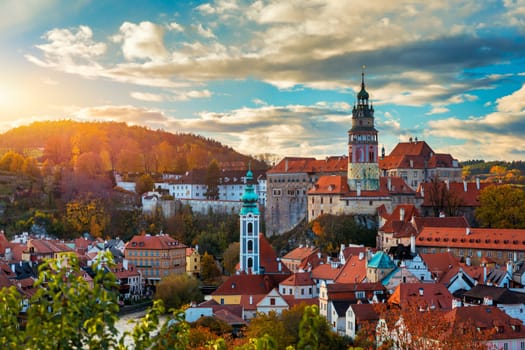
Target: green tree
315 333
501 206
144 184
213 175
178 290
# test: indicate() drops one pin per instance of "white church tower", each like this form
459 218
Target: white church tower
249 220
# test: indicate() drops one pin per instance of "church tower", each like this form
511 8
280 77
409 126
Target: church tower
249 235
363 167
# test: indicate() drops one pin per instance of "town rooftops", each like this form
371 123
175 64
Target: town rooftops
415 155
298 279
472 238
447 221
337 184
300 253
246 284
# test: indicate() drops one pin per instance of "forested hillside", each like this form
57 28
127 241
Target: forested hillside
57 178
116 146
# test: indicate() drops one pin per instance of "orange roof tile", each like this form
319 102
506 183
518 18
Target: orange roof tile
325 272
244 284
268 258
354 271
298 279
310 165
301 253
330 184
468 198
426 295
158 242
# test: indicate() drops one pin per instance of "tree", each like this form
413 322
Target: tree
230 257
83 216
210 273
144 184
501 206
442 199
213 175
178 290
315 333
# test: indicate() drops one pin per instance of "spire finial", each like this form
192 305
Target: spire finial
363 67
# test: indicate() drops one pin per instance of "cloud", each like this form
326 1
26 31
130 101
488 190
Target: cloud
148 97
142 41
205 32
128 114
71 51
176 27
498 135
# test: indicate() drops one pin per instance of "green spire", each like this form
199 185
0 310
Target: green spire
249 197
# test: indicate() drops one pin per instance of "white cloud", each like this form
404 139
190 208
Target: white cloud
143 41
512 103
438 110
145 96
205 32
176 27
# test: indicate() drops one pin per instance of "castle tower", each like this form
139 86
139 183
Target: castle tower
249 227
363 167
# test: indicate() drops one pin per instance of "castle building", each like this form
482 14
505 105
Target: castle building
363 168
249 258
416 163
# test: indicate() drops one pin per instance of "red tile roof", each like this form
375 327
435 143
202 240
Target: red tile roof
268 258
310 165
325 272
391 185
292 301
244 284
298 279
398 222
347 291
365 312
158 242
448 221
422 295
330 184
487 318
439 263
354 271
416 155
301 253
255 299
472 238
42 246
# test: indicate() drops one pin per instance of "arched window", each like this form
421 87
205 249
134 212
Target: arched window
250 228
250 245
250 263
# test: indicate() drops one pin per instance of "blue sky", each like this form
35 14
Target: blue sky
274 76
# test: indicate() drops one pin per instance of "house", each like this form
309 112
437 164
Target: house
237 286
299 285
193 261
273 301
379 266
512 302
40 249
297 258
474 244
424 296
156 256
397 228
360 316
415 162
129 279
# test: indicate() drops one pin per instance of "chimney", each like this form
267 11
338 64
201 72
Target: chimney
286 165
421 291
467 261
359 188
389 183
401 214
413 245
477 183
361 256
467 231
465 185
484 274
280 266
251 300
448 184
411 163
487 300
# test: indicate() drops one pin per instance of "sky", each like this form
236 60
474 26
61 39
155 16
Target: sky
274 76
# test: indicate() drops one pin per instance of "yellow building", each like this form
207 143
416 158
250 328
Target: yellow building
193 262
156 256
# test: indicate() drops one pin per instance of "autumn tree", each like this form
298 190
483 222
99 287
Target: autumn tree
210 272
213 175
144 184
315 332
86 216
176 290
230 257
501 206
442 199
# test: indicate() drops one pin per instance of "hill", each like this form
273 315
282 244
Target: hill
120 147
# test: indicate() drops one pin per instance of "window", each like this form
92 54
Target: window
272 301
250 228
360 295
250 245
522 345
277 192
